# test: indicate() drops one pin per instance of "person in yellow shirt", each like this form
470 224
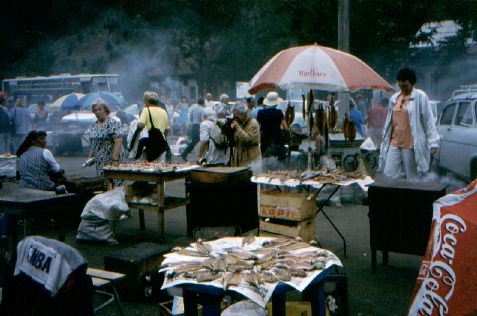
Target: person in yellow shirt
159 116
153 111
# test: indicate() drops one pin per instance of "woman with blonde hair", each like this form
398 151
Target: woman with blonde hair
105 137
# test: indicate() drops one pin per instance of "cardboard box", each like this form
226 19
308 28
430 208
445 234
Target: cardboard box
287 205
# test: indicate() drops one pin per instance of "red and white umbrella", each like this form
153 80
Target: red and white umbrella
316 67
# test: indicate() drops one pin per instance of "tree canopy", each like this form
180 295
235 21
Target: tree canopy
221 40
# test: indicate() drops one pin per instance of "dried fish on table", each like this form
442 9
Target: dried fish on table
205 275
215 264
243 255
267 257
282 274
252 278
189 252
277 242
231 279
185 267
269 277
293 246
295 272
250 239
202 247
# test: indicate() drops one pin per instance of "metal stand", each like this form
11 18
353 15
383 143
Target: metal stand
320 206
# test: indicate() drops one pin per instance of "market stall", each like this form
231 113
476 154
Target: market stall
150 173
257 268
312 182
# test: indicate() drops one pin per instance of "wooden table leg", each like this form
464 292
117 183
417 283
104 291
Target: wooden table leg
160 202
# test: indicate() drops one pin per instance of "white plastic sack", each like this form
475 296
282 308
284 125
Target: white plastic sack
244 308
96 230
107 206
368 145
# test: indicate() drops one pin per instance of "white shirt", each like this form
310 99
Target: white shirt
51 160
208 130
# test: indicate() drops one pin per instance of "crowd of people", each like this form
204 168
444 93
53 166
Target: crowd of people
222 133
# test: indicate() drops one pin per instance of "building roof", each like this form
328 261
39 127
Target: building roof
439 32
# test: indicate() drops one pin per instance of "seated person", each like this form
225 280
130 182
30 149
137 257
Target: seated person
36 164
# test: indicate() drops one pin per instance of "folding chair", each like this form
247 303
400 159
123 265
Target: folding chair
102 280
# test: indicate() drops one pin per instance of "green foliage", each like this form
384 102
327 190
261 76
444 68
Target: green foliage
220 40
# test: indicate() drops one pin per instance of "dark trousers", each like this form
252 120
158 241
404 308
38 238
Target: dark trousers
195 139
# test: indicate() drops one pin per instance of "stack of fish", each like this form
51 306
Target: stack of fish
322 175
276 260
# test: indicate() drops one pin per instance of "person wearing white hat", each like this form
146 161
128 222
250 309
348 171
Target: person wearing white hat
271 120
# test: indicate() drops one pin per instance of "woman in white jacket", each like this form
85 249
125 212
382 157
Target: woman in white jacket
410 135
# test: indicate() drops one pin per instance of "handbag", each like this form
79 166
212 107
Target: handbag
155 143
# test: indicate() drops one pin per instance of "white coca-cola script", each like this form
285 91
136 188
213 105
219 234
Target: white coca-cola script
439 284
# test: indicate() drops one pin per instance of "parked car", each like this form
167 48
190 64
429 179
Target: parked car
457 127
71 135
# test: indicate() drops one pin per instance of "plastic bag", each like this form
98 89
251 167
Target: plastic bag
107 206
96 230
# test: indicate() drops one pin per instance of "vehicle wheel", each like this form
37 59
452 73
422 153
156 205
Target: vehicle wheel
473 169
350 163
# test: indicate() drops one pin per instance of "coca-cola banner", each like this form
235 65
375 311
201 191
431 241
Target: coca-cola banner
447 280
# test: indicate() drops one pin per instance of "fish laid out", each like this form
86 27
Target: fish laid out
276 260
252 266
322 175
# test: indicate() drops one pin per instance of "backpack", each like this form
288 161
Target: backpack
219 140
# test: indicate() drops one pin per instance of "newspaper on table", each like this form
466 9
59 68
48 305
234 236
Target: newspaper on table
152 167
317 183
259 293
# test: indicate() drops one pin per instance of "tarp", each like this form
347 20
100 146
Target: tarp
447 280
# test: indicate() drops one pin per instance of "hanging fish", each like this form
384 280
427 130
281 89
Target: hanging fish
333 115
321 118
345 126
290 114
310 100
327 137
351 130
303 106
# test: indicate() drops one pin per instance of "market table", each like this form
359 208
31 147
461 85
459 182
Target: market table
210 292
31 203
158 176
316 184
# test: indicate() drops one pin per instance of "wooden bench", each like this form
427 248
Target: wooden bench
103 279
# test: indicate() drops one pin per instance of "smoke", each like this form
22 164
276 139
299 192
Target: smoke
114 43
